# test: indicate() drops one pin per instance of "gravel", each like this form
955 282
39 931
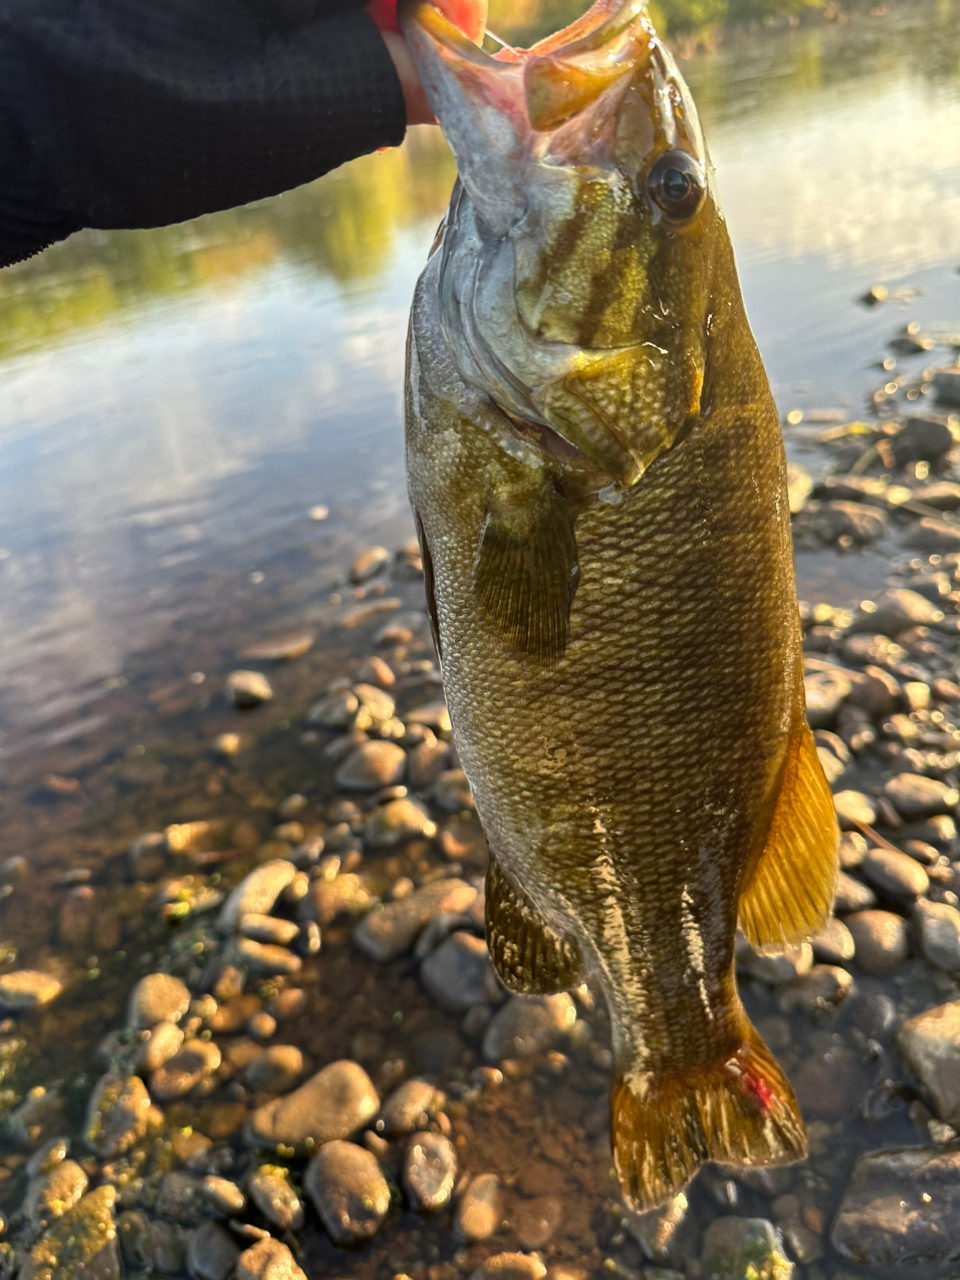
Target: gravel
408 1108
275 1070
853 807
334 1103
915 796
179 1075
248 689
348 1191
852 895
834 943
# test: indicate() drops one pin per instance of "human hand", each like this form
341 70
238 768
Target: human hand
469 15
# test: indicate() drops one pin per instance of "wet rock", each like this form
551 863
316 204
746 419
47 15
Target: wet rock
82 1245
136 1245
915 796
195 1062
275 1070
825 686
346 894
946 383
26 989
117 1116
369 563
925 438
510 1266
281 648
181 1198
257 893
272 1192
409 1107
451 791
265 960
268 1260
397 822
167 1247
901 1209
269 929
458 973
874 1014
894 874
943 495
372 765
932 535
480 1209
248 689
334 1103
776 967
877 692
527 1025
162 1043
50 1195
834 943
938 934
37 1117
390 931
654 1229
429 1171
159 997
76 917
896 610
929 1043
799 486
348 1191
376 706
223 1195
853 807
852 895
825 987
334 710
882 940
536 1220
851 520
427 760
211 1253
734 1248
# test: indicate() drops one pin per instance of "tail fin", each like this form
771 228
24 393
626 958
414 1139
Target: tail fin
740 1111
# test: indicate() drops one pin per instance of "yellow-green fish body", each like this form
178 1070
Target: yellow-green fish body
597 472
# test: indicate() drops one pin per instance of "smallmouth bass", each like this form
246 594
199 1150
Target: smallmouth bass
597 474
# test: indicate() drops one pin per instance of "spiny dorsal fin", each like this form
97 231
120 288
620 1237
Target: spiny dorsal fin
789 893
529 957
525 573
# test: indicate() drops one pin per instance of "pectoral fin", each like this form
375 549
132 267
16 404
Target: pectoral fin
428 583
789 892
529 957
525 572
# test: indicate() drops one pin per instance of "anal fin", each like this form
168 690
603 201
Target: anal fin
528 955
789 892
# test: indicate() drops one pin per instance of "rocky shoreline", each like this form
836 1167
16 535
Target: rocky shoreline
318 1073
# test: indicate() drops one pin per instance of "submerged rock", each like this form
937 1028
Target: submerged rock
334 1103
118 1115
81 1246
28 989
268 1260
387 933
348 1191
527 1025
930 1045
736 1248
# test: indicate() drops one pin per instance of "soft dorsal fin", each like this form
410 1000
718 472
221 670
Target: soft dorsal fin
790 891
529 957
525 572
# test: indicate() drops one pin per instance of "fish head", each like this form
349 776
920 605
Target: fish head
577 253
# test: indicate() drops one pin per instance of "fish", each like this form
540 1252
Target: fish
597 476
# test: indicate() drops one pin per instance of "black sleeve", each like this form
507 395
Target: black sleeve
137 113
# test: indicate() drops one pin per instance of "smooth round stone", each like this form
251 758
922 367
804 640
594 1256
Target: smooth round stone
80 1245
929 1043
270 1189
938 933
897 610
211 1253
882 940
224 1196
389 932
28 989
369 563
853 807
346 894
480 1209
117 1115
778 967
877 692
163 1042
50 1195
248 688
841 519
932 535
397 822
895 874
270 929
266 960
915 796
257 893
372 765
536 1220
834 943
376 706
825 686
275 1070
427 760
334 1103
268 1260
262 1025
429 1171
734 1248
196 1061
451 791
527 1025
181 1198
348 1191
873 1014
852 895
334 710
824 987
408 1108
374 670
510 1266
458 973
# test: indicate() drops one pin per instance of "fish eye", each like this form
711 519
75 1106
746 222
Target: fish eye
675 183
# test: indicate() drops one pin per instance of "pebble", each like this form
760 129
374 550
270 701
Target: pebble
877 692
283 648
268 1259
162 1042
26 989
81 1245
408 1108
536 1220
372 765
825 687
346 894
211 1253
947 384
369 563
901 1209
264 959
397 822
932 535
117 1115
937 925
374 670
427 760
734 1248
853 807
159 997
262 1025
834 943
915 796
852 895
451 791
458 973
510 1266
882 940
895 874
179 1075
348 1191
181 1198
334 1103
896 610
480 1209
839 519
824 987
248 689
799 486
257 893
271 1190
270 929
925 437
224 1196
390 931
274 1070
334 710
776 967
929 1044
429 1171
527 1025
50 1195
